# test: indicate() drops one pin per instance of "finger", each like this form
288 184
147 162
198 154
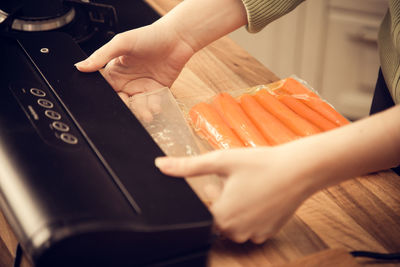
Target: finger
138 105
230 233
124 97
154 103
141 85
110 76
260 239
237 238
143 105
212 192
114 48
208 163
235 230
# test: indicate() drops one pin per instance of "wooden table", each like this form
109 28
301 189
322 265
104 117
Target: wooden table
360 214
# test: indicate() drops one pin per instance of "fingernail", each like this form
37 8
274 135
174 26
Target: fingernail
161 162
83 63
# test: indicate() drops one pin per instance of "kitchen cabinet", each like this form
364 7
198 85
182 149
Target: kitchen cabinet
331 44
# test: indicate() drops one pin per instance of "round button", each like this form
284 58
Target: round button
37 92
54 115
45 103
44 50
69 138
58 125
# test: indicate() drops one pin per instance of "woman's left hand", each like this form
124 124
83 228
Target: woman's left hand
261 191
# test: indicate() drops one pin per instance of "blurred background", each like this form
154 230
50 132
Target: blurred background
332 44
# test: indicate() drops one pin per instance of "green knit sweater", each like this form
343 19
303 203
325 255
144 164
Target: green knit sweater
262 12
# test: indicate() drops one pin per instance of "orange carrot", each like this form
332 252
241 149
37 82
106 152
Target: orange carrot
325 110
296 123
307 113
272 129
293 87
208 123
235 117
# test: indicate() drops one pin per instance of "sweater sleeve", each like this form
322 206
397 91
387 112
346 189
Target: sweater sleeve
389 49
262 12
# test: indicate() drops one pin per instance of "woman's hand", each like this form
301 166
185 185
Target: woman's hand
153 56
263 188
140 60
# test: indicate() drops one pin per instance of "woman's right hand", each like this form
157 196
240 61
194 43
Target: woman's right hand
140 60
151 57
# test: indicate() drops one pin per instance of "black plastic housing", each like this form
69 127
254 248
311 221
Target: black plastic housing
81 189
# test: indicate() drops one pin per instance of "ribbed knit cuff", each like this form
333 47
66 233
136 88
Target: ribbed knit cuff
389 57
262 12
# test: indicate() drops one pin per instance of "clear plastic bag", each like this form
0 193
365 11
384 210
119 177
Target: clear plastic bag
270 114
165 120
160 114
172 127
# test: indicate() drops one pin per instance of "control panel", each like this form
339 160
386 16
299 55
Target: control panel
48 118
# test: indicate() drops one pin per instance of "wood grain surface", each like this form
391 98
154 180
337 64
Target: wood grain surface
360 214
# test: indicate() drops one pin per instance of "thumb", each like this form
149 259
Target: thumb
118 46
209 163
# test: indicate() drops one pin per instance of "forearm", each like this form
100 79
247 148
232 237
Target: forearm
200 22
369 145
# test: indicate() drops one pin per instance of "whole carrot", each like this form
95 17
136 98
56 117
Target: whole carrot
237 119
325 110
296 123
208 124
272 129
307 113
293 87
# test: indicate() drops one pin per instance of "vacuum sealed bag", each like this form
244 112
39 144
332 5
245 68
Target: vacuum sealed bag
263 115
